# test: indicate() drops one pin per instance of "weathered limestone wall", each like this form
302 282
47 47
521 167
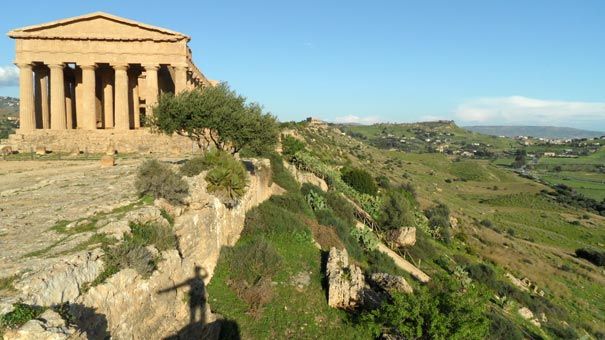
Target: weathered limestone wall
98 141
134 307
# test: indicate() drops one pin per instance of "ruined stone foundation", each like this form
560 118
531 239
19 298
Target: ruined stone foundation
98 141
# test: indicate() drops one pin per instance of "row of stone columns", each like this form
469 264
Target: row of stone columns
116 106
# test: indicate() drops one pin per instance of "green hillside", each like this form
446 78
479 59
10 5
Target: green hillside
500 224
535 131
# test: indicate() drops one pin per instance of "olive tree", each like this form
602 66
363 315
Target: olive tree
216 115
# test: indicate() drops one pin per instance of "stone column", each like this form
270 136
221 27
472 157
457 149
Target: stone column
134 85
57 97
121 96
80 120
42 97
69 113
89 107
151 98
107 99
180 78
27 113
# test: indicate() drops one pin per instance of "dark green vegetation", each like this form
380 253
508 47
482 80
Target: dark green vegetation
594 256
226 177
218 116
158 180
21 314
132 252
444 311
360 180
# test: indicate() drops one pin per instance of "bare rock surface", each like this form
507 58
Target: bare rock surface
403 237
346 283
48 326
391 283
127 305
35 195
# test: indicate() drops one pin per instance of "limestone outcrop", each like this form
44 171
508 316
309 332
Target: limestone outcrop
128 305
403 237
49 326
136 307
346 283
61 282
306 177
391 283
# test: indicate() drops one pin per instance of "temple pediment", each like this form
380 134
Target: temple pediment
97 26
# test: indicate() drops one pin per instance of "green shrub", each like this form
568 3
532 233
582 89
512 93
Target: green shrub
315 200
194 166
501 328
21 314
383 182
293 202
343 229
365 237
445 312
252 266
159 181
290 146
341 206
360 180
151 233
281 176
270 219
228 179
594 256
397 211
439 221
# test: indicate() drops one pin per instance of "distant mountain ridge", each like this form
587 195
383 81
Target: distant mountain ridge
535 131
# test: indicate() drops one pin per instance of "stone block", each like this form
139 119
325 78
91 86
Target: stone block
40 150
108 160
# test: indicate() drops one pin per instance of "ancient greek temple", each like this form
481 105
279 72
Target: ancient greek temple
98 71
91 81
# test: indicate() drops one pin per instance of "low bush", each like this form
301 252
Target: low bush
594 256
252 266
270 219
281 176
343 229
341 206
151 233
294 202
439 221
360 180
290 146
501 328
228 180
21 314
445 312
397 211
194 166
160 181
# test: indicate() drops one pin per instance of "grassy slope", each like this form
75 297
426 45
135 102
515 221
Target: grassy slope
543 240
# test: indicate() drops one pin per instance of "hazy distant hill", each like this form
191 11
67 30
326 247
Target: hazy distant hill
9 105
535 131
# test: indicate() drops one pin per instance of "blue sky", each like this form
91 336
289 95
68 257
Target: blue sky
477 62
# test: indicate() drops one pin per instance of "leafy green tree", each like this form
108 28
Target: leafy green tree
216 115
360 180
397 211
520 159
290 146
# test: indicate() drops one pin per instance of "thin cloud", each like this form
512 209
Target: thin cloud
9 76
357 119
523 110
